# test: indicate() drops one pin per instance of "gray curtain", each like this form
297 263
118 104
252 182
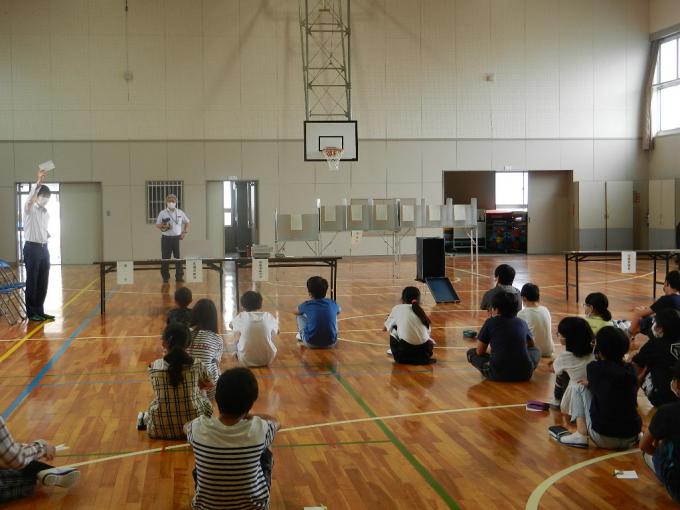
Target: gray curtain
647 139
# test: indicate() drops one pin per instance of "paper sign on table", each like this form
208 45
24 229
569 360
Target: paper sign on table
407 213
329 214
435 213
125 272
260 270
628 262
47 166
296 222
194 270
357 212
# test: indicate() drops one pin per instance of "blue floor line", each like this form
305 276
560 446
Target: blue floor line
36 380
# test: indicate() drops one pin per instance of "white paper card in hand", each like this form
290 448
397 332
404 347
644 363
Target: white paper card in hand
357 212
296 222
47 165
408 213
125 272
194 271
380 212
626 475
435 213
329 214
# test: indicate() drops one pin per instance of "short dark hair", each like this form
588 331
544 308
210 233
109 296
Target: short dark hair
668 319
578 335
183 296
317 287
530 292
505 303
673 279
505 274
204 315
611 343
251 301
44 190
236 392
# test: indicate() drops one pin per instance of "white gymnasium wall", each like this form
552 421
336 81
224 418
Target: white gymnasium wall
217 91
663 14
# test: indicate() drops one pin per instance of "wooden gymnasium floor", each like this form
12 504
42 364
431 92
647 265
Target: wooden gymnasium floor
359 431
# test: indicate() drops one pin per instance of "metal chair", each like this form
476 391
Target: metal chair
12 303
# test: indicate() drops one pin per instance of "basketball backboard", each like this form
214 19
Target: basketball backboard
321 134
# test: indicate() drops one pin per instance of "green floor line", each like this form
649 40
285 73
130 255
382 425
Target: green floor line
185 450
422 470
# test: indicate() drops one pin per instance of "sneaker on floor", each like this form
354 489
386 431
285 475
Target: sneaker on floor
48 317
389 352
576 439
36 318
298 337
141 420
60 477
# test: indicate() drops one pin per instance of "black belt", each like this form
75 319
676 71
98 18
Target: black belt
44 245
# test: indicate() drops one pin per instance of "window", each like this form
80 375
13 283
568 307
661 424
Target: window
512 189
227 204
156 192
666 88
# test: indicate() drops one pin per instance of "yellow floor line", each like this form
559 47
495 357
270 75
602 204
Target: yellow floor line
21 342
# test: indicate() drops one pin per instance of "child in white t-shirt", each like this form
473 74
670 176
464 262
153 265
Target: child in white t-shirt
254 331
570 365
409 329
537 318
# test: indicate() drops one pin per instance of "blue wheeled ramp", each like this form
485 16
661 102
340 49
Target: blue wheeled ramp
442 290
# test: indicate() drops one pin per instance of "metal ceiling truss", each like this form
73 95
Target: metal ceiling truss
324 36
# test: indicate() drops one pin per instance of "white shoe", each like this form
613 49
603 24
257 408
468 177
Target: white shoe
298 337
59 477
389 352
576 439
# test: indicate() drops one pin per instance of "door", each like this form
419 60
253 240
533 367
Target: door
215 218
592 228
242 232
81 218
549 212
619 216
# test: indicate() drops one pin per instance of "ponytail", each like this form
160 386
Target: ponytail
600 305
411 295
175 338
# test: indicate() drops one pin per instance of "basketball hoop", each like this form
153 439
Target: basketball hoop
333 156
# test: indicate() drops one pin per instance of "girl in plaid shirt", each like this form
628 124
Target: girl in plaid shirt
20 469
179 382
206 344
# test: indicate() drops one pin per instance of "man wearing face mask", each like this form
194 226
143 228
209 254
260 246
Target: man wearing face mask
36 254
173 224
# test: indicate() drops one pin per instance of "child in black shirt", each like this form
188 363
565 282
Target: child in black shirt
661 443
658 356
605 406
641 320
182 313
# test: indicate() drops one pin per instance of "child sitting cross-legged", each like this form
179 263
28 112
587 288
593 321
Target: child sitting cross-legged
232 452
182 312
513 354
605 404
178 382
317 318
254 330
570 365
661 443
409 328
205 344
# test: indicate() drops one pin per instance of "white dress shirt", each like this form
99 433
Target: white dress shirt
36 219
177 218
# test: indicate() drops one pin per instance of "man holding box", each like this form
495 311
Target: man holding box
36 254
173 224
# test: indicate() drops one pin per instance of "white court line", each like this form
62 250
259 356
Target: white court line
305 427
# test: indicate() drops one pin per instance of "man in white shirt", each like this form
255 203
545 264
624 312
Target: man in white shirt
174 225
36 254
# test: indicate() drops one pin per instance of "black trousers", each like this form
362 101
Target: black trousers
19 483
37 261
409 354
169 249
